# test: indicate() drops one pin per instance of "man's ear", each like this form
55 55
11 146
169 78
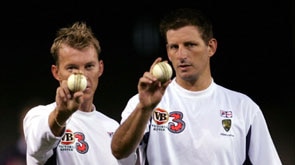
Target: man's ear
101 67
54 71
212 46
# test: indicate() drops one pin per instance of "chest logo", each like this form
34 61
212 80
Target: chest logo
226 123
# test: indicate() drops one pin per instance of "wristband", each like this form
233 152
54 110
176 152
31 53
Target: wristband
60 125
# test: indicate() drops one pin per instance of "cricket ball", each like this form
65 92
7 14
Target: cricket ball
163 71
77 82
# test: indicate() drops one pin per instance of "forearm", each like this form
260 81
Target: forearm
57 123
130 133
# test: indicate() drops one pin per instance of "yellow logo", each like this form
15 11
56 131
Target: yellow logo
226 123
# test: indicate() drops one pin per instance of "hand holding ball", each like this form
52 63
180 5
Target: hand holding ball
77 82
163 71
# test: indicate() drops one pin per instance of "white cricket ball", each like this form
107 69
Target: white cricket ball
163 71
77 82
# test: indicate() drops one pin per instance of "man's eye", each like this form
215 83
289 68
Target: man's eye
89 66
190 44
70 68
173 47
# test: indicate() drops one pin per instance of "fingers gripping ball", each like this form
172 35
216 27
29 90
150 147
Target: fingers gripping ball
77 82
163 71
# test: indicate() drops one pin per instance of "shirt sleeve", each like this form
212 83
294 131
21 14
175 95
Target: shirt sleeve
131 159
131 104
39 138
262 149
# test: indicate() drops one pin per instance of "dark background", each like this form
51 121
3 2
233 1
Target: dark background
255 56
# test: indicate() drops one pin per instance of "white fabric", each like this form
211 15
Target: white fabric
187 128
86 140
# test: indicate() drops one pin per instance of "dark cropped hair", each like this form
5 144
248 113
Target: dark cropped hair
187 16
77 36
